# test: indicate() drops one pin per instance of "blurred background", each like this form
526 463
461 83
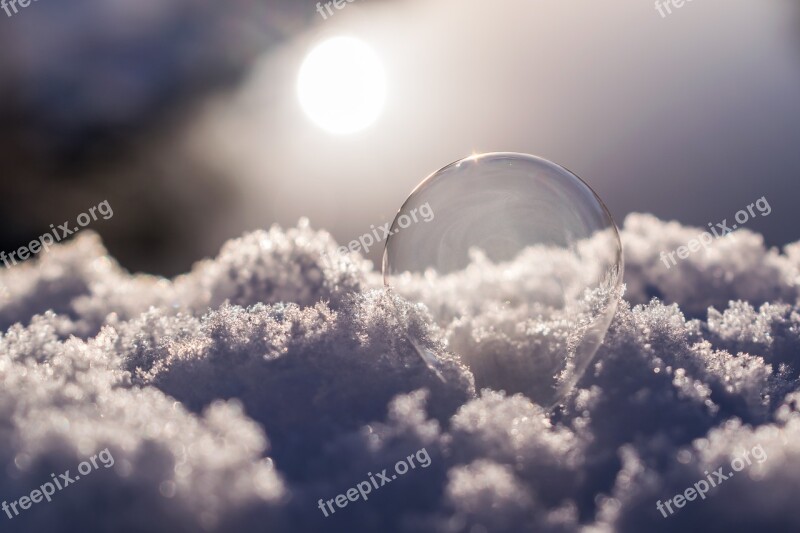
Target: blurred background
185 115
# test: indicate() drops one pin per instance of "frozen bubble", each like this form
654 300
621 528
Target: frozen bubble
522 241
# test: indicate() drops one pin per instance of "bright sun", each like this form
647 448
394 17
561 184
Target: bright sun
342 85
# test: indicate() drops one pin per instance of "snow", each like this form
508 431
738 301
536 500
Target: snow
235 396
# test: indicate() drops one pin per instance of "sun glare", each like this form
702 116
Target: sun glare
342 85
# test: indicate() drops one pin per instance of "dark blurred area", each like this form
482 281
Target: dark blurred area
183 116
89 92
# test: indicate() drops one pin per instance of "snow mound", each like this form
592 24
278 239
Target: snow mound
236 396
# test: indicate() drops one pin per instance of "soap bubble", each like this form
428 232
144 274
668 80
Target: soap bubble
519 263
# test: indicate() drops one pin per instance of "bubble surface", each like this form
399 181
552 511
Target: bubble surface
520 264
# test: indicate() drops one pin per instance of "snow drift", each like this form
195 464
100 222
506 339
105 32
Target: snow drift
236 396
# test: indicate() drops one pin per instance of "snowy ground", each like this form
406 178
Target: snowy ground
236 396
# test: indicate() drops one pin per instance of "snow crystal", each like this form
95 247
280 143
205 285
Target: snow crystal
235 396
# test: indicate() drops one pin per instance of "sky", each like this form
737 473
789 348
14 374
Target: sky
691 116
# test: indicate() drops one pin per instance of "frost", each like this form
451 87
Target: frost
236 396
735 267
